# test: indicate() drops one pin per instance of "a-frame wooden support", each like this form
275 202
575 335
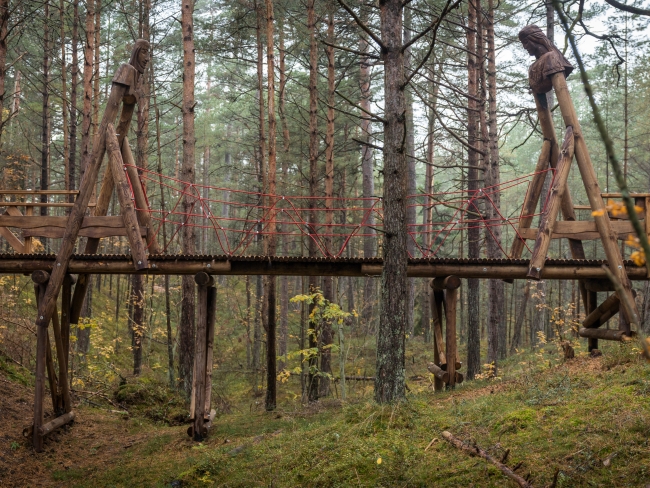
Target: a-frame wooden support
574 144
107 140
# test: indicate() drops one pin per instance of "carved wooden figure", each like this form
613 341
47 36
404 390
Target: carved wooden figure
547 73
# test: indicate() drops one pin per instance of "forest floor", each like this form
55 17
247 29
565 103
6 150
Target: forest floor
588 420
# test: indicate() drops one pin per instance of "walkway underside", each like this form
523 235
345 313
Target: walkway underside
556 269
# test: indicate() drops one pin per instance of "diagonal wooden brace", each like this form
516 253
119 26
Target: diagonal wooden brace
93 163
124 196
604 225
552 209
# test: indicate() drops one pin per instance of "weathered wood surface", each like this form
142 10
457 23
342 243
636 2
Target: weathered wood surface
445 283
144 217
92 164
603 312
603 223
212 318
552 208
437 371
437 299
127 208
60 421
582 229
123 265
607 334
451 296
204 281
531 199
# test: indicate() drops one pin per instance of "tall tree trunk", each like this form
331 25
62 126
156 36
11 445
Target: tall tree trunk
188 176
367 174
328 281
284 280
45 126
137 322
271 353
96 66
496 291
473 290
313 182
87 85
4 23
72 183
428 200
390 369
64 98
410 162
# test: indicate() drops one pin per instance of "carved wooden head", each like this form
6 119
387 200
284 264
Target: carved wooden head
140 55
549 59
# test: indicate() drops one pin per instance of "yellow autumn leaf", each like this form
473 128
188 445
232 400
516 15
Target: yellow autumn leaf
598 213
378 460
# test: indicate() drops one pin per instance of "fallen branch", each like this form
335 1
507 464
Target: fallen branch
477 451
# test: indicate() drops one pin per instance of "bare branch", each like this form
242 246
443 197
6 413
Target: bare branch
363 26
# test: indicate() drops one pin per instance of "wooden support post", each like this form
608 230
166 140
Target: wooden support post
568 211
66 298
602 313
436 310
101 208
212 316
144 218
531 200
607 334
59 388
204 282
450 284
608 236
590 307
549 216
39 387
29 212
126 204
68 243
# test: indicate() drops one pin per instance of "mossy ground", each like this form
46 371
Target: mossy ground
589 419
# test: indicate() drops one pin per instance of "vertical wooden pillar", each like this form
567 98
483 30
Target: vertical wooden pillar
439 358
204 282
603 224
592 298
39 389
212 316
66 300
451 296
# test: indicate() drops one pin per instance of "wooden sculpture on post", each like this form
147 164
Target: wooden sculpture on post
547 73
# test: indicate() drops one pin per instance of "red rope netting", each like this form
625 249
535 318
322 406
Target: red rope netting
233 222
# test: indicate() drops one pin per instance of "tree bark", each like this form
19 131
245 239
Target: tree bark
390 369
328 281
45 125
410 161
367 173
4 23
313 380
271 353
64 97
473 290
137 323
87 86
188 176
72 183
496 291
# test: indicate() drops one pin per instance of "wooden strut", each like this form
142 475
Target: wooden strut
445 295
603 312
603 223
552 207
124 196
206 315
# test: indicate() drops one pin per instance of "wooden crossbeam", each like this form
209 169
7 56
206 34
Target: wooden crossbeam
552 208
54 227
603 312
582 229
